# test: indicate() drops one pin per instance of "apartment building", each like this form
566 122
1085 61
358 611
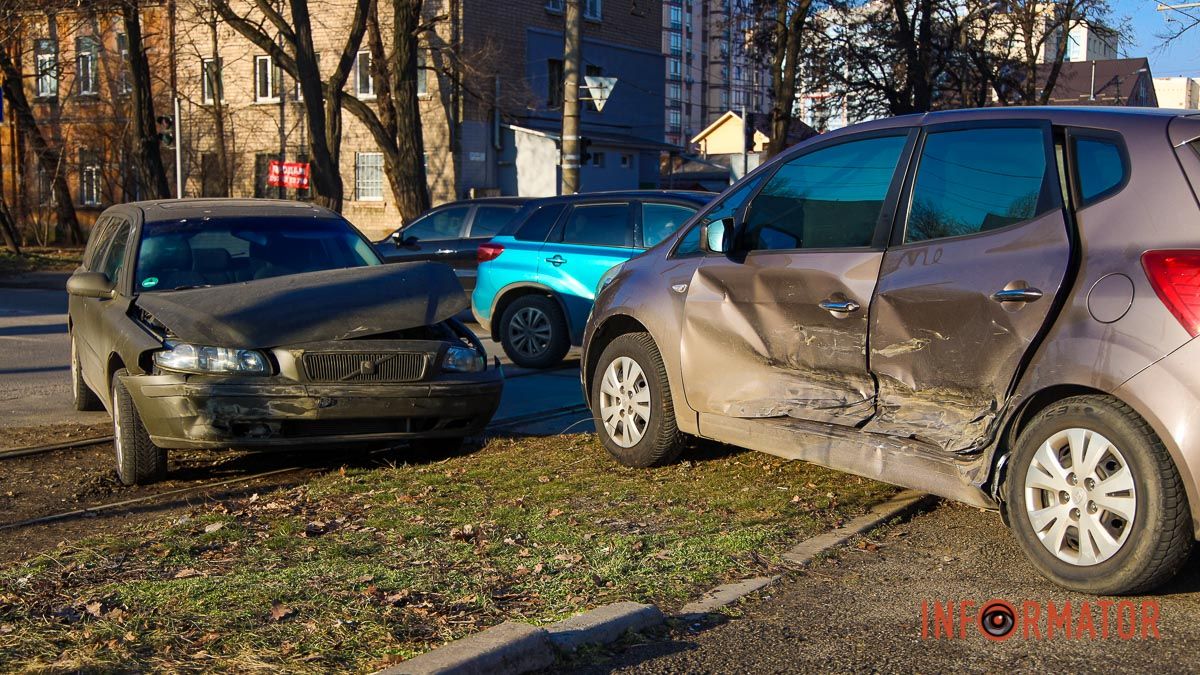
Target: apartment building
1178 92
76 78
490 95
711 67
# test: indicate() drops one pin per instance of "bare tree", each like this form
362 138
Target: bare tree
152 175
1041 33
323 100
782 23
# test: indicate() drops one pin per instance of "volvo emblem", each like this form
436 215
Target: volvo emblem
366 367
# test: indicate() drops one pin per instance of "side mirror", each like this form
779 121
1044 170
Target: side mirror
395 237
90 285
714 235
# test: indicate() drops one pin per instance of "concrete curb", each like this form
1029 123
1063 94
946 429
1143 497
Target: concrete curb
512 648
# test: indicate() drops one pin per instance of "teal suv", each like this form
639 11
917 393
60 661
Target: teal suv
538 277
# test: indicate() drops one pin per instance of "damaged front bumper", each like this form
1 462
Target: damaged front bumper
187 411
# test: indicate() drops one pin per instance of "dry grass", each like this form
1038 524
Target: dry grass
369 566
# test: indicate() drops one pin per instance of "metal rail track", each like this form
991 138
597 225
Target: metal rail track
496 425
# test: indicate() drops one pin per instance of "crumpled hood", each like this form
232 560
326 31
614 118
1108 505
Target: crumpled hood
310 307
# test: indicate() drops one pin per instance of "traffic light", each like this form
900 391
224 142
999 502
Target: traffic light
166 130
584 155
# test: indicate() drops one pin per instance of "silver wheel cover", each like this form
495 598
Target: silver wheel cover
625 402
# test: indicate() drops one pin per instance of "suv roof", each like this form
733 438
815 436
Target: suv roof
686 195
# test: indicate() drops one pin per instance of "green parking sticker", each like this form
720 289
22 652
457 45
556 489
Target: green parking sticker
149 282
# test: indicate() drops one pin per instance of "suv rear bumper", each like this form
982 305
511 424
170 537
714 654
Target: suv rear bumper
182 412
1167 395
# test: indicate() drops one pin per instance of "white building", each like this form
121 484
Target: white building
1178 92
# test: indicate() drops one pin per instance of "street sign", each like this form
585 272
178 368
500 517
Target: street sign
287 174
599 89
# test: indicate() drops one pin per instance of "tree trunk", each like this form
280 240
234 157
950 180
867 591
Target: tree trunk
8 227
149 165
785 66
47 158
410 186
326 175
217 87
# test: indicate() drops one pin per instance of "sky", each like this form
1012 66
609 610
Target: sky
1181 57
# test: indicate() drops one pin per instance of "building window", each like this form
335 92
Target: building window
673 119
89 178
554 83
422 75
364 82
46 60
676 43
674 68
124 83
45 187
598 159
266 80
87 75
368 177
676 16
674 91
626 161
591 8
211 86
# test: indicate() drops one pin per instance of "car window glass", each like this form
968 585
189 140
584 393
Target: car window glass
829 198
444 224
537 227
96 242
598 225
1100 165
689 243
660 220
489 220
114 258
976 180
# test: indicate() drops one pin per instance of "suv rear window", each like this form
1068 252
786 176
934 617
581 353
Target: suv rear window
538 225
599 225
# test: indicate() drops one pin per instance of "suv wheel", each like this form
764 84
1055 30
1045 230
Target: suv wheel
139 460
85 399
631 402
1095 500
534 332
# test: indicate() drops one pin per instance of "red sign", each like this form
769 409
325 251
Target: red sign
288 174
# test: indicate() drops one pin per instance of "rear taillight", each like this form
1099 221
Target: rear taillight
488 252
1175 276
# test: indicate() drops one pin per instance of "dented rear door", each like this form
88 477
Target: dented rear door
779 326
980 252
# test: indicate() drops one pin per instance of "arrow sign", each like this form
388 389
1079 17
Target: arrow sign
600 89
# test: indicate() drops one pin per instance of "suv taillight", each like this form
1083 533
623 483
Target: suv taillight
1175 276
487 252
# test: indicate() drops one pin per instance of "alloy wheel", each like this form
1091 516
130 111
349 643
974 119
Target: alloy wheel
529 332
625 402
1080 496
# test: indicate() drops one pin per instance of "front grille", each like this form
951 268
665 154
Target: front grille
364 367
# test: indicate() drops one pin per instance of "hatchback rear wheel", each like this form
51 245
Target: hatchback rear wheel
1095 500
533 332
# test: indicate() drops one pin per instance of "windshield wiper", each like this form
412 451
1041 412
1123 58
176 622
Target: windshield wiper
191 286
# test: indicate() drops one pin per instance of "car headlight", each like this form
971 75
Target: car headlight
463 360
191 358
608 277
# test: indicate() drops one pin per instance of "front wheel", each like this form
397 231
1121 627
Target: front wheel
1095 500
139 460
631 403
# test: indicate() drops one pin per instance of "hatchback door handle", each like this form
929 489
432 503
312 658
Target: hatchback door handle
444 251
556 260
1017 295
839 305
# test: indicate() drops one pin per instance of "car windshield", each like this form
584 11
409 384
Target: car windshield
216 251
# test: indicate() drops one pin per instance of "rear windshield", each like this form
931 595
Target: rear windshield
213 252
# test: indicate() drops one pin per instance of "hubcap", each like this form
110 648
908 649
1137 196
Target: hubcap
625 402
529 331
1080 497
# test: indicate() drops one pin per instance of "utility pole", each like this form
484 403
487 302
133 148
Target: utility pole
570 123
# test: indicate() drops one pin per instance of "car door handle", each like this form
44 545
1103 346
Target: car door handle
839 305
556 260
444 251
1017 295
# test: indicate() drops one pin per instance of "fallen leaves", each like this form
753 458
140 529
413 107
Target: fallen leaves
213 527
281 612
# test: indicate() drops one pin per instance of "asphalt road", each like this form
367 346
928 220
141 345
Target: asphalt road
862 612
35 376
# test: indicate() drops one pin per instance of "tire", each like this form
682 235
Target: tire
660 440
139 460
1089 538
85 399
534 332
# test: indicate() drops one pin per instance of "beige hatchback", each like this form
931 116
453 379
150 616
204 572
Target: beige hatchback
996 306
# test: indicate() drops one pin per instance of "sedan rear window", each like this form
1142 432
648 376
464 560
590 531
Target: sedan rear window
188 254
